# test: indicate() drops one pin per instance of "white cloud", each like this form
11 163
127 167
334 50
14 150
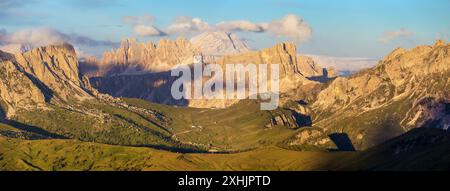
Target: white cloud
43 36
291 26
240 25
392 35
147 30
35 37
183 25
143 25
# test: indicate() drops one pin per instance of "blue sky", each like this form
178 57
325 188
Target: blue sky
356 28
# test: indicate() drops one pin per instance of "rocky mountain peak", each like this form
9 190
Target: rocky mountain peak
219 43
155 87
41 75
128 41
61 58
178 46
419 61
283 54
286 47
410 76
137 57
182 42
310 68
396 52
439 42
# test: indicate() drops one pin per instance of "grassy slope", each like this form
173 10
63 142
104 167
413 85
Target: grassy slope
54 154
239 127
376 125
115 126
380 124
421 149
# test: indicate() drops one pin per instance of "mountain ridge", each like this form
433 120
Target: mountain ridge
407 89
219 43
47 73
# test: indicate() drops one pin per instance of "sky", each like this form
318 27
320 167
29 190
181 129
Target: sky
341 28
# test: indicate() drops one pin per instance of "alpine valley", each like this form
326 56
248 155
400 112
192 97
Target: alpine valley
63 112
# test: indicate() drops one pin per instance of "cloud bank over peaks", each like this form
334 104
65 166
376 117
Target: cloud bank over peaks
43 36
148 30
188 25
143 25
290 26
242 25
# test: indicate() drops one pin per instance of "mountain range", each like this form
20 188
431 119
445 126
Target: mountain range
60 112
130 71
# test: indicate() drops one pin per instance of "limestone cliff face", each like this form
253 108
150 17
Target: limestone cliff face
401 64
134 57
150 66
17 89
42 75
405 90
398 74
156 86
309 68
283 54
291 76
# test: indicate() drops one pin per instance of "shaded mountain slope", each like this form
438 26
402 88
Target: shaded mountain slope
407 89
421 149
42 92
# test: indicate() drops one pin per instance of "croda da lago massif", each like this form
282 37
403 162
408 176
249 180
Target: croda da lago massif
139 86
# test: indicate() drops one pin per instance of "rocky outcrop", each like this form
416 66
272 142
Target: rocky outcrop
429 112
133 57
308 67
312 137
396 75
153 62
405 90
344 65
283 120
283 54
156 86
57 68
313 71
17 89
42 75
